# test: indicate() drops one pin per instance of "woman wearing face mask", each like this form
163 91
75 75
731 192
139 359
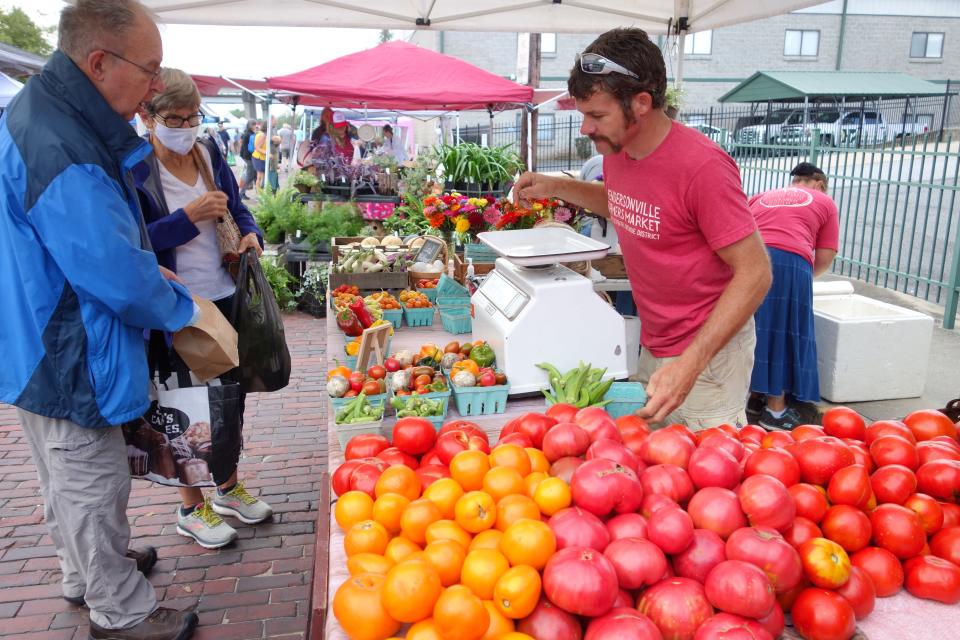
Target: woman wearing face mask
184 189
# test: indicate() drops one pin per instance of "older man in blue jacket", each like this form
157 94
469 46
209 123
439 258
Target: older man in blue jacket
79 283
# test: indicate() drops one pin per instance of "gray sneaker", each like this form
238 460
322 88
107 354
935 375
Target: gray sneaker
206 527
241 505
786 422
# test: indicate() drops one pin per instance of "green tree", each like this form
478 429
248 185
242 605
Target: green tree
17 29
238 113
385 35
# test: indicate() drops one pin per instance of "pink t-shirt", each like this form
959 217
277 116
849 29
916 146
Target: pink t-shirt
797 219
672 211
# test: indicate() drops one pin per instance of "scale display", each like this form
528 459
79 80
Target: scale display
507 299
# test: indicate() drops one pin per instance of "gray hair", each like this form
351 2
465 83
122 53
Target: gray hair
86 25
180 91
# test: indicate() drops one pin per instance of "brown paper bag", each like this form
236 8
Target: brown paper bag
210 347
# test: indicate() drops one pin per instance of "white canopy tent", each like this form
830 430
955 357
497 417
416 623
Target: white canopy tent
8 88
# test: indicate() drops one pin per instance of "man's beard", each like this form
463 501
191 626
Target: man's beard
615 147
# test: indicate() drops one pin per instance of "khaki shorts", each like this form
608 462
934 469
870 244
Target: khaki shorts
719 395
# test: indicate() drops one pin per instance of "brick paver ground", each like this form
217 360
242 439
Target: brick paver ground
257 588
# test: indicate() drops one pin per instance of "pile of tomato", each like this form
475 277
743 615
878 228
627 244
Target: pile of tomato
574 525
414 300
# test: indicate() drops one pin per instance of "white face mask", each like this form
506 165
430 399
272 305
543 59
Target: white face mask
177 140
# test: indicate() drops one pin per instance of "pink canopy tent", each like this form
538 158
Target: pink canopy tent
402 76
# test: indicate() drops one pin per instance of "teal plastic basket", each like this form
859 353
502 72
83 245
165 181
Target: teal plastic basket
393 316
456 320
446 302
347 431
626 398
481 401
450 287
437 421
338 403
430 293
436 395
418 317
479 252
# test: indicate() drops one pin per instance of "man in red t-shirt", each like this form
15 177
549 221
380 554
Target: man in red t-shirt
696 264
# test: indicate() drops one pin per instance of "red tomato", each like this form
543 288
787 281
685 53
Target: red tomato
931 515
720 439
430 457
740 588
580 581
638 563
933 578
752 433
767 502
819 459
678 606
806 432
894 450
394 456
801 531
825 563
574 527
951 514
628 424
564 440
766 549
859 592
364 477
773 462
517 438
714 467
811 502
667 447
667 480
893 483
844 423
927 424
471 428
340 481
940 479
861 454
670 529
717 510
532 425
705 552
776 439
414 435
453 442
930 450
883 568
430 473
602 486
563 412
365 445
550 621
377 372
619 622
888 428
898 530
617 452
946 545
597 423
819 614
847 526
851 486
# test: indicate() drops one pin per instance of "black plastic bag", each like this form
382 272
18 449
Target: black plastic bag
190 436
264 357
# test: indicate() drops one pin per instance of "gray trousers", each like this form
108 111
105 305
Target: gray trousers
85 482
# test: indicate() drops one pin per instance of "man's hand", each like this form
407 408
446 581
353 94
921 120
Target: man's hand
170 275
533 186
667 389
250 241
210 206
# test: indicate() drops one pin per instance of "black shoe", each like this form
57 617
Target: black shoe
162 624
786 422
146 559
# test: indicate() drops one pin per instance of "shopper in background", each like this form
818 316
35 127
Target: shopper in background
391 146
80 284
247 142
696 264
801 228
184 189
287 138
260 156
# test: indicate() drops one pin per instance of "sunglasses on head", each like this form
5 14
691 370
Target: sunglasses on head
595 64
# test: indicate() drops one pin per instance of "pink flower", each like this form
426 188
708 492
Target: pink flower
428 210
468 209
562 214
491 215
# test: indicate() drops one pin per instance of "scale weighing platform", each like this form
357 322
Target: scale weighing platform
532 309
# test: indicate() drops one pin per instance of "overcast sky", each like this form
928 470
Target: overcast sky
240 52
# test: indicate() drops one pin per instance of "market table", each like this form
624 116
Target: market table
901 617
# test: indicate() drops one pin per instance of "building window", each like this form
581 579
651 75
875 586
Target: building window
548 44
801 43
698 44
926 45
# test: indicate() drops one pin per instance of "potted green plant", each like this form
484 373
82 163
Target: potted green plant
311 296
470 169
274 212
304 181
673 101
281 282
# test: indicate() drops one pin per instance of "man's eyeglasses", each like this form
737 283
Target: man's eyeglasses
154 75
595 64
175 121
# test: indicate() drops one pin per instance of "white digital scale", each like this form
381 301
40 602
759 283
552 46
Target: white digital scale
532 309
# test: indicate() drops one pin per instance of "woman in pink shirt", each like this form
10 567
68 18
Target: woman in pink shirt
800 227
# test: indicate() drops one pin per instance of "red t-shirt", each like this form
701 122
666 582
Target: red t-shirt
797 219
673 210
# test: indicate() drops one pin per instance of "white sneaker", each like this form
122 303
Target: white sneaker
241 505
206 527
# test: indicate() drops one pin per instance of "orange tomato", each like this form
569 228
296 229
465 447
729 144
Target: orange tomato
460 615
368 563
357 606
513 508
489 539
510 455
446 556
517 591
538 461
410 591
424 630
399 549
353 507
468 468
366 536
464 365
531 481
499 623
418 515
387 510
500 482
481 570
444 493
552 495
447 530
529 542
513 635
475 511
398 479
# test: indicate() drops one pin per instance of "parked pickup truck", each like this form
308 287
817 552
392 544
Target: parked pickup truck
849 128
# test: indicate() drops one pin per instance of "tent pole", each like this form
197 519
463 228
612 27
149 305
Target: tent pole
266 117
457 139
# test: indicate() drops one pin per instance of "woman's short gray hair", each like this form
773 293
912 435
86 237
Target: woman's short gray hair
180 92
85 25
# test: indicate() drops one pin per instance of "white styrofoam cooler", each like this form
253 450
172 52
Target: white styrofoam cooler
868 349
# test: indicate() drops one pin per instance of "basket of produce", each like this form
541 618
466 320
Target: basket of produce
624 398
421 407
420 381
456 320
482 394
343 385
428 287
358 416
389 306
417 309
581 387
447 286
369 268
354 314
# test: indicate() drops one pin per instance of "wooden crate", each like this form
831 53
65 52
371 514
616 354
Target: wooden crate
337 244
460 268
611 266
369 281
